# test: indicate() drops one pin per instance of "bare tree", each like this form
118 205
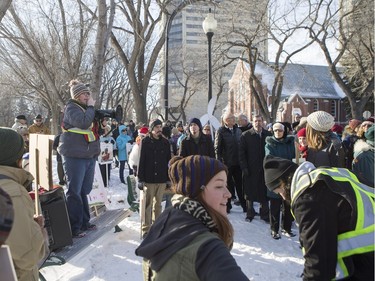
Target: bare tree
4 5
143 21
46 54
351 24
274 23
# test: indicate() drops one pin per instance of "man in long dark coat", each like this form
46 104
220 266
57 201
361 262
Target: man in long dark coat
251 154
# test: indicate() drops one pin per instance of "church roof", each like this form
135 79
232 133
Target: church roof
309 81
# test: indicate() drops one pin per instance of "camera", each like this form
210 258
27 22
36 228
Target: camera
100 114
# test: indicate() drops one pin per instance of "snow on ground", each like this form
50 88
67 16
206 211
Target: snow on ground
112 257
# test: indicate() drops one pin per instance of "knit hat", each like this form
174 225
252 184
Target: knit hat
11 146
354 123
6 215
196 121
143 131
189 174
275 168
77 88
369 135
371 119
302 133
337 129
321 121
154 123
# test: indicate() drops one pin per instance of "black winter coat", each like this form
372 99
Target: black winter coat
227 145
322 214
251 155
204 146
154 159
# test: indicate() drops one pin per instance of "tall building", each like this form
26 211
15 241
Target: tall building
188 54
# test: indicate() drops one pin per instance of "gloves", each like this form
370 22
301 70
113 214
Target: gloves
141 184
245 172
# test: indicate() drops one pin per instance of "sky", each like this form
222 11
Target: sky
112 257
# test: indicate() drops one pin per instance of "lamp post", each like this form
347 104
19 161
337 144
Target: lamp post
209 26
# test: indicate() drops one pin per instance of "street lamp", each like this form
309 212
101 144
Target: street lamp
209 26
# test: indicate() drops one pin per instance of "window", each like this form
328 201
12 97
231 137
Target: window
316 106
333 108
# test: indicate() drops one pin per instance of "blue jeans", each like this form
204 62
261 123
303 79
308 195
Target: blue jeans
79 177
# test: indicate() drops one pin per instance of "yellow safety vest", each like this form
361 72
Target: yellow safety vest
89 133
361 239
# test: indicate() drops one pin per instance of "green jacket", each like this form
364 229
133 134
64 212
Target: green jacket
181 266
26 241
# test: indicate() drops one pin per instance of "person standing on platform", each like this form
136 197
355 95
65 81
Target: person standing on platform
79 148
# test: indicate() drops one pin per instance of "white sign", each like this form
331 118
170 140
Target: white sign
106 153
98 194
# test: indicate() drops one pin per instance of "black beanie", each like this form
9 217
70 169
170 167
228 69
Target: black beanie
275 168
189 174
11 146
196 121
154 123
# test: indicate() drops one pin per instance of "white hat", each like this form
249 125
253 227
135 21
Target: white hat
321 121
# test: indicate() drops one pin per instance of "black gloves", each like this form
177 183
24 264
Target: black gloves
141 184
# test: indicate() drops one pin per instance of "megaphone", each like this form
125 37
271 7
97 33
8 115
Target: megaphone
116 114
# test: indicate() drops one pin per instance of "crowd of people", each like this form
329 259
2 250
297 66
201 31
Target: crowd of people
312 170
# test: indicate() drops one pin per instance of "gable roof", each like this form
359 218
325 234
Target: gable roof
309 81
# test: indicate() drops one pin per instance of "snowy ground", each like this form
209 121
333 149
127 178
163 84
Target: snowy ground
112 257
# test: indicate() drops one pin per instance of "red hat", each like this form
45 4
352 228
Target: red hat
354 123
337 129
302 133
143 131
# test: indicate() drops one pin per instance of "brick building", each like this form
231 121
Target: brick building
306 88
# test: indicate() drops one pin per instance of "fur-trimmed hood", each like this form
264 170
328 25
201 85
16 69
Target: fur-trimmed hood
360 146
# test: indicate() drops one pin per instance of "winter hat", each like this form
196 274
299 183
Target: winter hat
371 119
278 126
354 123
38 117
77 88
275 168
302 133
196 121
321 121
369 135
6 215
154 123
143 131
11 146
337 129
191 174
21 117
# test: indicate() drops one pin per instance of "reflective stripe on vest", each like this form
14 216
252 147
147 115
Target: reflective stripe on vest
361 239
90 134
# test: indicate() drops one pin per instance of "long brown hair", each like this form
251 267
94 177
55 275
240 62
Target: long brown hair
224 227
315 139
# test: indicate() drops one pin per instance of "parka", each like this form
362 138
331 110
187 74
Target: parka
73 144
26 240
203 147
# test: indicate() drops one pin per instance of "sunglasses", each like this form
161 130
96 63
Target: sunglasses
278 130
38 120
